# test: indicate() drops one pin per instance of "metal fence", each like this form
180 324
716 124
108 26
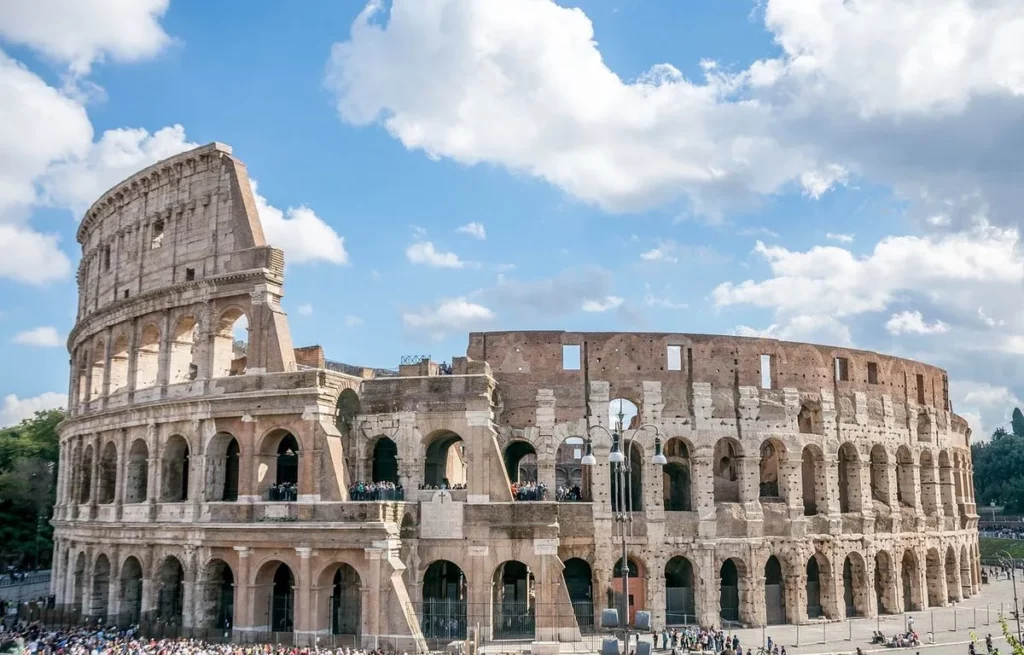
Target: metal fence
28 578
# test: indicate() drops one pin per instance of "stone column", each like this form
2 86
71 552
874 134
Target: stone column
188 588
796 597
304 619
243 619
114 588
133 357
105 391
703 500
164 357
94 486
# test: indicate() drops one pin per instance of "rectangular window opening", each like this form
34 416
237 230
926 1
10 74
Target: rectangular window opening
106 259
570 358
872 373
766 371
842 369
920 389
158 235
675 358
126 293
190 274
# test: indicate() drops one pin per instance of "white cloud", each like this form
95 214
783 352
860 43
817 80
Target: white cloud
816 183
31 257
475 230
985 406
448 314
425 253
602 305
305 309
912 322
352 320
659 254
81 32
551 297
304 236
661 301
14 409
839 236
803 328
44 337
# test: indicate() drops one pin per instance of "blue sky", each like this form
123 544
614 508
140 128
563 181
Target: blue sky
811 170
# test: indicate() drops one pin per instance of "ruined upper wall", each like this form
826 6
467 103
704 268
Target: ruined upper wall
523 362
186 218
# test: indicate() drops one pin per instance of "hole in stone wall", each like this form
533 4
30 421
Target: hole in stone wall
675 358
157 237
570 357
766 371
190 274
106 258
872 373
842 368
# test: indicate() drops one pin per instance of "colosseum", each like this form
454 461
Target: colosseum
215 476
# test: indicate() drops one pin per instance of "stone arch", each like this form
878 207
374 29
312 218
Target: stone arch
175 465
727 470
848 464
935 577
445 593
819 587
520 461
680 596
633 500
347 408
339 600
513 607
119 364
808 420
107 487
629 410
929 484
946 485
278 470
223 455
230 343
885 583
85 476
966 574
911 580
137 474
445 464
78 593
855 586
813 479
218 595
570 474
906 493
170 582
773 453
384 460
96 366
579 582
732 577
82 377
880 474
774 591
131 589
952 569
677 482
637 574
274 597
182 351
147 357
924 427
100 602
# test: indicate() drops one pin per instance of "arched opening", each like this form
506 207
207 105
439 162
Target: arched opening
131 591
633 501
905 493
82 378
572 479
855 586
108 474
385 461
676 481
726 471
929 485
277 474
79 590
772 454
952 584
637 586
347 409
218 596
885 584
848 463
282 600
730 579
147 358
137 474
170 591
934 576
444 601
181 360
966 575
85 484
924 427
287 475
521 462
813 481
222 465
911 582
99 353
879 474
627 409
579 584
230 344
119 365
946 484
100 587
774 592
445 463
343 605
680 605
814 608
175 462
514 612
808 419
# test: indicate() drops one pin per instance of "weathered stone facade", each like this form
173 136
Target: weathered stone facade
803 482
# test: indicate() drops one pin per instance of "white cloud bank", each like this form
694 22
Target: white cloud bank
14 409
43 337
447 315
426 254
473 229
913 323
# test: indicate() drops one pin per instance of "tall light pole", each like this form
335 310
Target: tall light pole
622 478
1013 576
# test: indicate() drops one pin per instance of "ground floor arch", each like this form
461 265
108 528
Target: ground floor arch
513 606
274 598
339 600
911 582
637 591
131 590
100 601
78 583
855 596
731 588
885 584
444 613
170 591
218 596
579 582
774 592
813 582
936 579
680 599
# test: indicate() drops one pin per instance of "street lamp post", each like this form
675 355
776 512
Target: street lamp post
1013 577
622 473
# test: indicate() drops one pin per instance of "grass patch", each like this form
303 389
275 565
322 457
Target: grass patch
990 547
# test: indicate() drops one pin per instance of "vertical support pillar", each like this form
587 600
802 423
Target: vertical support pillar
303 606
242 621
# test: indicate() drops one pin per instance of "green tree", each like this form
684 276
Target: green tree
28 488
1017 422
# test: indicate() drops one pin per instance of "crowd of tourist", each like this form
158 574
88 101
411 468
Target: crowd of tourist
13 575
376 491
529 491
703 639
1001 532
284 492
571 494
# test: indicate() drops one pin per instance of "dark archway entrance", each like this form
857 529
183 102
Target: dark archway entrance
444 601
170 590
131 591
445 464
579 583
676 477
345 601
774 592
814 609
514 612
680 608
282 600
385 461
288 461
521 462
230 492
633 483
729 594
